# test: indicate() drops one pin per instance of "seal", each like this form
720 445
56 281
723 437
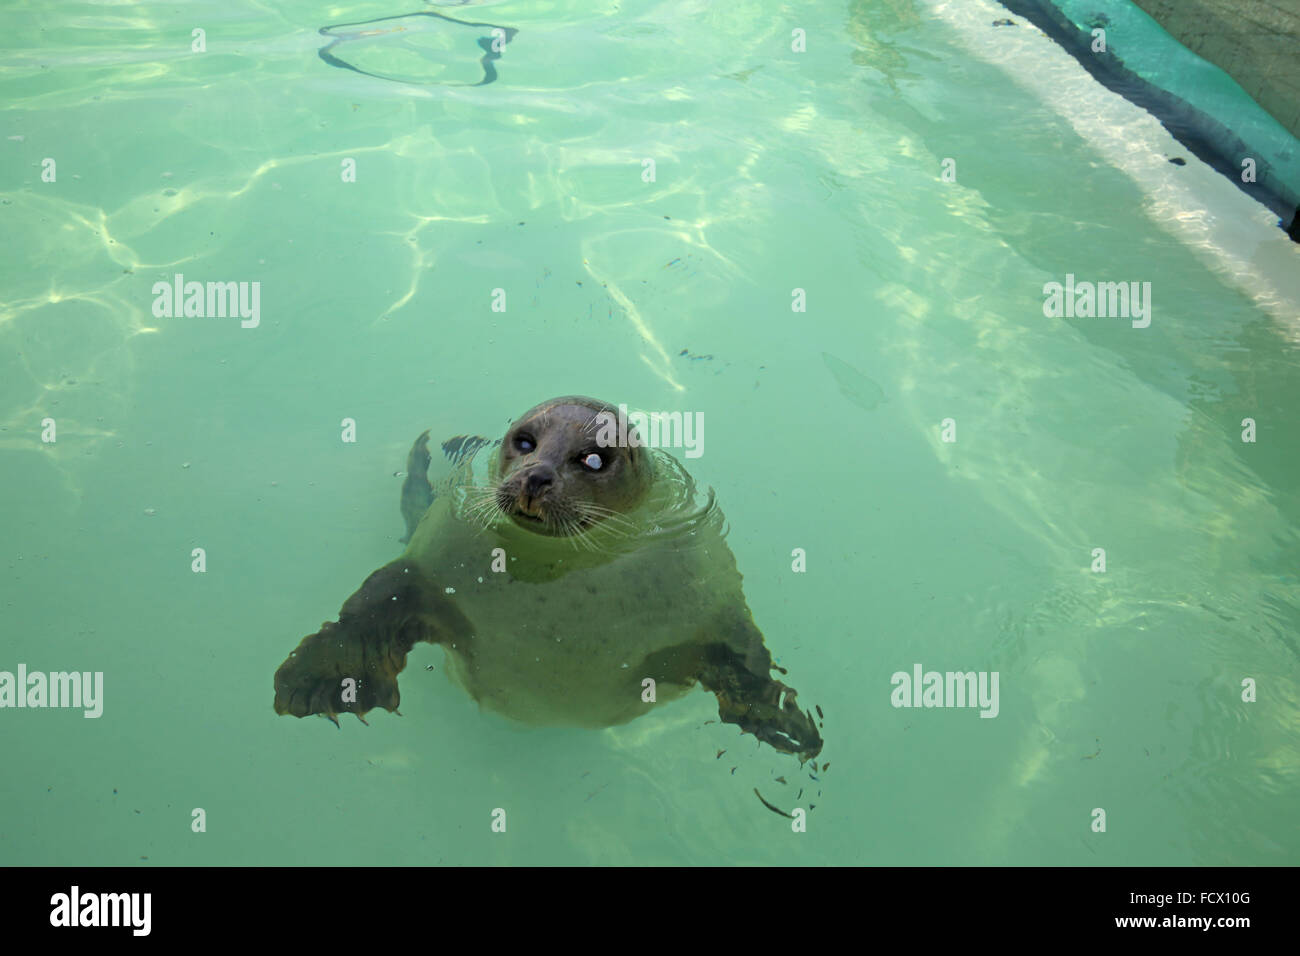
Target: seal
575 582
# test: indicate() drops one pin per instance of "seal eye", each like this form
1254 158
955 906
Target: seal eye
524 443
593 461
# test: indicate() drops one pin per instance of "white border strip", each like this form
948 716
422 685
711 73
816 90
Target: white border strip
1235 236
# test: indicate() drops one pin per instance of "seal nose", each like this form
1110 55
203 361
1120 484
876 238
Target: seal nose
538 479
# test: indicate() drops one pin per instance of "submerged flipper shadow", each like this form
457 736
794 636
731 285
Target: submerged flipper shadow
342 33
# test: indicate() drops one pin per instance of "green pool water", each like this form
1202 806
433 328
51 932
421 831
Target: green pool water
919 174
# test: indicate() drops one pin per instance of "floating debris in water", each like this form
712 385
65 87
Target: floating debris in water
770 807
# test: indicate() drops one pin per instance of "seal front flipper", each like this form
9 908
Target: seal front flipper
351 666
462 447
738 670
417 493
754 703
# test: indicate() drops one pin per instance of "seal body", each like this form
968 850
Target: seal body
569 583
560 638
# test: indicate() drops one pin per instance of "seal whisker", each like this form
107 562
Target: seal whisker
582 537
571 531
481 505
593 510
615 524
583 534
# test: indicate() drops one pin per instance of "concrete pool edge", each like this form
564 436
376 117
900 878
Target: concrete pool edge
1234 235
1264 62
1207 137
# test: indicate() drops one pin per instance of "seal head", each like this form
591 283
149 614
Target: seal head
553 477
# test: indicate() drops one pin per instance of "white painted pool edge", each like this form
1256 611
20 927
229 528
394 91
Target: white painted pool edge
1234 235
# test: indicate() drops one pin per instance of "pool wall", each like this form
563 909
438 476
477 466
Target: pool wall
1256 42
1223 136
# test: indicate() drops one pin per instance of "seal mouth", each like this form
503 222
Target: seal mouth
553 521
524 510
518 505
529 508
543 513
